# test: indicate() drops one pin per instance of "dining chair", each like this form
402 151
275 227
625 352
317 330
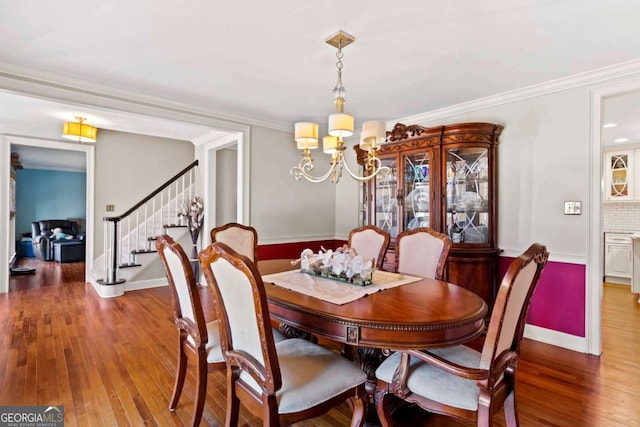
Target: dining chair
422 252
370 242
244 240
197 339
241 238
282 382
461 382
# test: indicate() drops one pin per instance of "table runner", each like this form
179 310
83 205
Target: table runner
333 291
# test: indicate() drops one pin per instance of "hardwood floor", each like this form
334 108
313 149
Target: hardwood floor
111 361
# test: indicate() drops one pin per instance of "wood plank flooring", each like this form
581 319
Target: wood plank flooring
111 362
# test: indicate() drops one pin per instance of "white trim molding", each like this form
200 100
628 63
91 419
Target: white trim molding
621 70
559 339
555 257
137 285
595 266
5 159
55 87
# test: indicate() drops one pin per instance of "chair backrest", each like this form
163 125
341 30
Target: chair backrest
370 242
241 305
241 238
422 252
508 318
187 308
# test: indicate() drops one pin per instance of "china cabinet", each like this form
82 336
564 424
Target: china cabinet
443 178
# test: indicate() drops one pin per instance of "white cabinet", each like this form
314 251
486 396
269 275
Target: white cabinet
620 174
618 256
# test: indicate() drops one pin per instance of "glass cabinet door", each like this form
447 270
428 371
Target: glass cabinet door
466 205
386 198
417 193
619 175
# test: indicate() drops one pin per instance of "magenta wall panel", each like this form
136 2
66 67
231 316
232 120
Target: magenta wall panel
559 300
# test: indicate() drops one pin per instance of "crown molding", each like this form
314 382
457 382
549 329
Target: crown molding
55 87
622 70
212 136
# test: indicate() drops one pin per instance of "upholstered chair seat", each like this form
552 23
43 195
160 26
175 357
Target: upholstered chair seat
434 383
311 375
212 347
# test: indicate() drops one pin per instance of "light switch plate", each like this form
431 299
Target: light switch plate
573 208
111 208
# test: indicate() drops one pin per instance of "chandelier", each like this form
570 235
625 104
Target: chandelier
340 126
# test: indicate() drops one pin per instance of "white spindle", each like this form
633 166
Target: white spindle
127 258
119 243
105 234
146 220
153 217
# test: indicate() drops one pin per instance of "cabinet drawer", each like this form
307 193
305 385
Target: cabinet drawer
618 238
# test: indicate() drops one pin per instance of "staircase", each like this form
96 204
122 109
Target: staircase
129 239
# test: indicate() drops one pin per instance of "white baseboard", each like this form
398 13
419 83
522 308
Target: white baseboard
145 284
110 291
559 339
107 291
617 280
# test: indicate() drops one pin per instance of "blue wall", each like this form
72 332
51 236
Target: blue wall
47 194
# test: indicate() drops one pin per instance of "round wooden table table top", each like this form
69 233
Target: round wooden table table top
425 314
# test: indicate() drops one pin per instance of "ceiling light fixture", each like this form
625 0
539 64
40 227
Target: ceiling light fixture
340 126
621 140
79 131
609 125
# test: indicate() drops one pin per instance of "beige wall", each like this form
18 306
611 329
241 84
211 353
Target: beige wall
543 161
283 209
129 167
226 185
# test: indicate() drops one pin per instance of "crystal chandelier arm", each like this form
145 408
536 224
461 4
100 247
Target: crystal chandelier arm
305 166
377 169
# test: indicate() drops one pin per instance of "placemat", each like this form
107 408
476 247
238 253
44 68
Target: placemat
333 291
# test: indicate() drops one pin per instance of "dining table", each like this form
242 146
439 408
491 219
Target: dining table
424 314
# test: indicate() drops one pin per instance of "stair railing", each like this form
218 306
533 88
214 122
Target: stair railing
134 231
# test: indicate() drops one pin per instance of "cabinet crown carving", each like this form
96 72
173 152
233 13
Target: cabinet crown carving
405 137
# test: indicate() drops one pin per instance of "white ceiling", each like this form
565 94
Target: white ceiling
623 111
267 61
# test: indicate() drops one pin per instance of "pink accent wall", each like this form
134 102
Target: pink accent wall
559 300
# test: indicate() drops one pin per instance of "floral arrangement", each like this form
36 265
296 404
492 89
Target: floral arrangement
194 213
343 264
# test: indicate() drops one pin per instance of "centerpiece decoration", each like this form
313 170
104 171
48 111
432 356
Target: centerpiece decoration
344 264
194 214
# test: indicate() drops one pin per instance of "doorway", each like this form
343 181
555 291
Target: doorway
86 153
595 291
226 180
